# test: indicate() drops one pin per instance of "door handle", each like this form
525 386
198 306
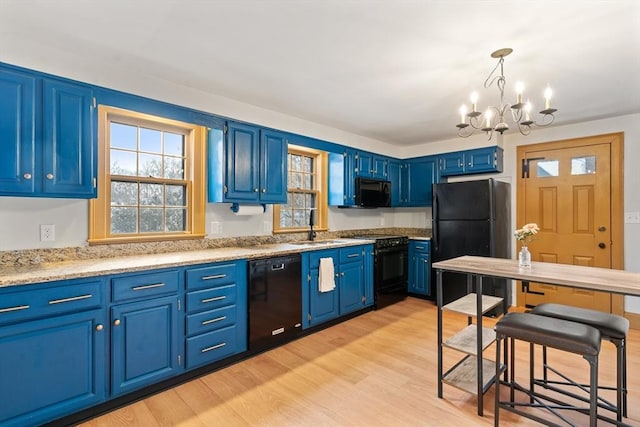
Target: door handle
601 245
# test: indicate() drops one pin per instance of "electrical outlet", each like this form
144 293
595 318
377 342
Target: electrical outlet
266 226
632 217
47 232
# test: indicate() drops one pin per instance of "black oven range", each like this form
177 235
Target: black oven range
390 268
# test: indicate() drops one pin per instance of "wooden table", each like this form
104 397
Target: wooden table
591 278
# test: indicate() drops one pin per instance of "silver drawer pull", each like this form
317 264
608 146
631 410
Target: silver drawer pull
353 255
217 319
213 347
204 301
78 298
215 276
419 247
16 308
142 288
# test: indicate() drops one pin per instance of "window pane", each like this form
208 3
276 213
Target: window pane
150 165
176 219
176 195
296 163
173 144
298 218
174 167
124 220
124 193
151 194
308 182
298 200
307 164
150 140
548 168
123 136
122 163
583 165
151 220
286 219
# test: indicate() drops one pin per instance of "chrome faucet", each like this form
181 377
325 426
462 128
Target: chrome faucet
312 234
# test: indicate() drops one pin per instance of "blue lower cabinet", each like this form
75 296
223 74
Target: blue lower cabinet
52 367
216 312
353 277
145 343
420 267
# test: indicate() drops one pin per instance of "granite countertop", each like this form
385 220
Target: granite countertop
52 271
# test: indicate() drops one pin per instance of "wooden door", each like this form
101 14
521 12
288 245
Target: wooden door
567 190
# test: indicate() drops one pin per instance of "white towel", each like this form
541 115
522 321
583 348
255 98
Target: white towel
326 281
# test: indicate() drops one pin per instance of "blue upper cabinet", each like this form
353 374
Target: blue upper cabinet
479 160
421 174
249 166
17 136
395 166
371 165
68 158
47 137
342 174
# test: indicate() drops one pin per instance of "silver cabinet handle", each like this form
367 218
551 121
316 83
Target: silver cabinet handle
213 347
206 300
353 255
16 308
27 175
99 327
217 319
142 288
215 276
264 190
116 322
63 300
419 247
49 176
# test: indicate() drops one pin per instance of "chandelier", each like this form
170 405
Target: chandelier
493 119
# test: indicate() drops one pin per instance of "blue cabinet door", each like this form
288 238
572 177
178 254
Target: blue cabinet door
144 346
419 267
323 306
422 174
394 167
52 367
452 163
273 167
487 159
17 136
242 151
368 275
364 164
352 281
69 149
342 178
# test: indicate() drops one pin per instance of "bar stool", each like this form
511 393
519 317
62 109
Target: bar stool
550 332
612 328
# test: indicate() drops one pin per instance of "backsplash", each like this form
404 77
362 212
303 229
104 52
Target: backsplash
39 256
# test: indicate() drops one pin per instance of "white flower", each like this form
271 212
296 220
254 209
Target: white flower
526 233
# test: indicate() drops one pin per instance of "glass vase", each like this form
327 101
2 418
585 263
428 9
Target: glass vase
524 257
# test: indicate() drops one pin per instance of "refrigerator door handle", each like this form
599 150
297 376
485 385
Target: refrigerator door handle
434 231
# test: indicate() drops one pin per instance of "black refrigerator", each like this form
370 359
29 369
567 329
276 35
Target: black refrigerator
471 218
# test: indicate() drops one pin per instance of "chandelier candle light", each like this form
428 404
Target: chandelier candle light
493 118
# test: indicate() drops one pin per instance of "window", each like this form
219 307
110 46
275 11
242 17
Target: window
307 192
151 179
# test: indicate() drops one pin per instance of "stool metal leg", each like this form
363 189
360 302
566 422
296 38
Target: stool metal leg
593 390
496 409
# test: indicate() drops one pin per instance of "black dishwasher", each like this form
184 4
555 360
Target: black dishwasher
275 301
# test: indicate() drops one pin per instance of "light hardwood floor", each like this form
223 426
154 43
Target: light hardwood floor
377 369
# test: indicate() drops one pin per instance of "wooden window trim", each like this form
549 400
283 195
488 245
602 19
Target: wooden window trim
100 209
321 180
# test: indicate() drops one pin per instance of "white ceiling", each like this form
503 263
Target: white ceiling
393 70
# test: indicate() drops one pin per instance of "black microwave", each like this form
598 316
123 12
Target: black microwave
373 193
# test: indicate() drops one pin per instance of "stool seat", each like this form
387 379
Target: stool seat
609 325
551 332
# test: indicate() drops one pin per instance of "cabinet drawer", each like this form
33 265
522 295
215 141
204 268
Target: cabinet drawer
208 277
207 299
212 346
145 285
210 320
314 257
353 254
35 302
